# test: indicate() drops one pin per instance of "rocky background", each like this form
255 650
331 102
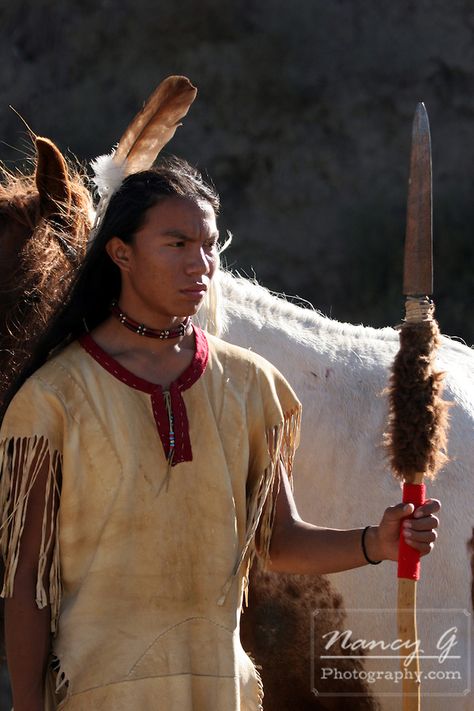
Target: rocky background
303 121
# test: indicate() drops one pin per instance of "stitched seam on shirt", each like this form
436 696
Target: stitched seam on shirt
154 676
173 627
88 403
224 400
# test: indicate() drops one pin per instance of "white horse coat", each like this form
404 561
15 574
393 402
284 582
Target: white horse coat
342 479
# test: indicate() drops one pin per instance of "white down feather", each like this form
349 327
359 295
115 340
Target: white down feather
108 174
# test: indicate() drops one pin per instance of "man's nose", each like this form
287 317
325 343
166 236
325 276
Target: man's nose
199 262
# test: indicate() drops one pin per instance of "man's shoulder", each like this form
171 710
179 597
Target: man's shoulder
238 355
243 367
60 367
42 400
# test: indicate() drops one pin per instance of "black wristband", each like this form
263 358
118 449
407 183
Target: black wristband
364 550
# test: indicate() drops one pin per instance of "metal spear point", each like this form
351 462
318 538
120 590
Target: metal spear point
418 268
418 416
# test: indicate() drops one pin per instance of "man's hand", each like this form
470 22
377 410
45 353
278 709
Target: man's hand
419 531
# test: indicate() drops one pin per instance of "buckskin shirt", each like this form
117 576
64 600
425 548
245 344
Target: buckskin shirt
161 495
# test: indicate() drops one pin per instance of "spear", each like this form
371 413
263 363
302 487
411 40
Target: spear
417 432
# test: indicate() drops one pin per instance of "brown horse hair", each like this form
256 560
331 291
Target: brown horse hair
47 250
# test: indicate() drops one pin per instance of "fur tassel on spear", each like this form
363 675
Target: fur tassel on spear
418 415
417 433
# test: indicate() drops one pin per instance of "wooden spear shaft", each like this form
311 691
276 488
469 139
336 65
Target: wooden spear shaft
418 415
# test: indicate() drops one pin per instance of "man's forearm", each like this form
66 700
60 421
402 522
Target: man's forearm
27 637
308 549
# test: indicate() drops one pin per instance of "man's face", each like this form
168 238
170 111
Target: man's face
170 261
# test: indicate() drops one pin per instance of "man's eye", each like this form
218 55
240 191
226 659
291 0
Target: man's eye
180 243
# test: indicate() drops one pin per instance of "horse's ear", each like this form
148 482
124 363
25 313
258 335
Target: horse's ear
52 179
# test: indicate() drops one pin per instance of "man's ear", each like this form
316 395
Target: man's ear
119 253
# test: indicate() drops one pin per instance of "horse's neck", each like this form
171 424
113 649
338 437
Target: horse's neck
254 318
300 340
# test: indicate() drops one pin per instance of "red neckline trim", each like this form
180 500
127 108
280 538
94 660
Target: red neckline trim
173 429
192 373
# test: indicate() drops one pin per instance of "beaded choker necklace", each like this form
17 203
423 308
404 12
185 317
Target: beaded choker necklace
143 330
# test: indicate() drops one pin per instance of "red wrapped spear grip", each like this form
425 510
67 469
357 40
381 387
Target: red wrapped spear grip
409 558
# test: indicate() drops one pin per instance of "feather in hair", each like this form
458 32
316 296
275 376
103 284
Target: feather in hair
146 135
151 129
155 124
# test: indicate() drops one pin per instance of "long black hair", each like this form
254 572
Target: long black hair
97 282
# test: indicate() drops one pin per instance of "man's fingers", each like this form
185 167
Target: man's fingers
431 506
399 511
427 523
421 541
428 536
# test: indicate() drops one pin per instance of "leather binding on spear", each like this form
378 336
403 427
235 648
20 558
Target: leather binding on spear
417 434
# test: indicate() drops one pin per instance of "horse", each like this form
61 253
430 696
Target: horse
45 218
342 480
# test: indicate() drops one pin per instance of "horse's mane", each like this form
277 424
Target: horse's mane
242 299
40 257
247 298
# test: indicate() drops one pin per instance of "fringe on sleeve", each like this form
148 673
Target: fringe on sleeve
22 459
282 441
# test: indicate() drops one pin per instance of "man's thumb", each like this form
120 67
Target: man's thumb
396 513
